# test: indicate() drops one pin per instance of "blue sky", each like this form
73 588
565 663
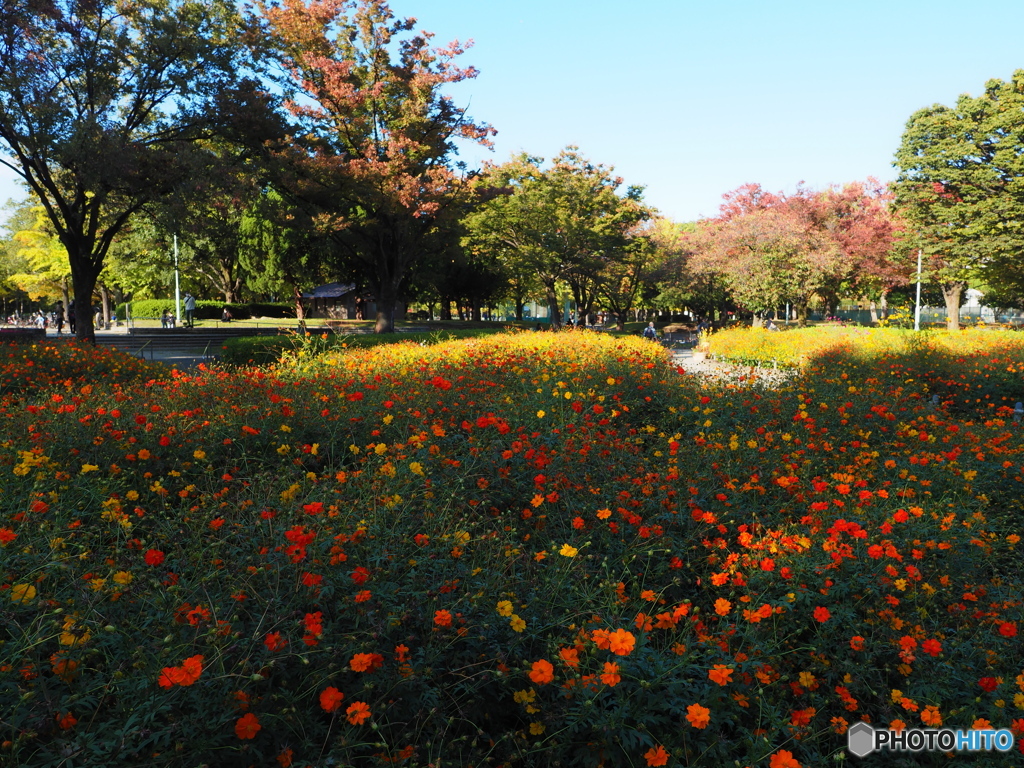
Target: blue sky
693 99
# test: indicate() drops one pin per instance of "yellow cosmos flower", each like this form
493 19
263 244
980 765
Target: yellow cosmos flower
568 551
505 608
517 624
23 593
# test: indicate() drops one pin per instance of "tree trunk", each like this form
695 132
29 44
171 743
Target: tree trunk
105 303
951 293
83 278
300 310
801 308
387 297
476 310
554 310
620 322
446 308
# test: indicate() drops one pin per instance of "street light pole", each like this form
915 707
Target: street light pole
917 307
177 287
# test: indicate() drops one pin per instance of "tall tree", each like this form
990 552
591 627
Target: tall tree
101 103
556 223
961 188
375 133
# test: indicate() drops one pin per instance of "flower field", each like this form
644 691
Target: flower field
530 549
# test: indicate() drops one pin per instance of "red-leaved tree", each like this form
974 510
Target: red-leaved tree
374 136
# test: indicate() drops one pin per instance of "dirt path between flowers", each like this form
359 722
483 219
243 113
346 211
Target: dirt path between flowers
742 375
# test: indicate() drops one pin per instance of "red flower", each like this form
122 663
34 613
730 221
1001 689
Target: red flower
822 614
66 721
247 726
154 557
784 759
274 641
1008 629
931 647
988 684
330 699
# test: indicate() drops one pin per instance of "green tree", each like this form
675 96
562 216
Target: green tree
961 188
566 222
101 106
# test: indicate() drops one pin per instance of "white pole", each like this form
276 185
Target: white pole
917 307
177 287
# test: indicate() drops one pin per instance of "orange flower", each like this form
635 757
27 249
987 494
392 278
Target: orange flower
601 639
930 715
857 643
443 618
721 674
66 721
656 756
570 657
247 726
822 614
542 672
366 662
285 758
722 606
784 759
621 642
610 676
330 699
274 641
358 713
698 716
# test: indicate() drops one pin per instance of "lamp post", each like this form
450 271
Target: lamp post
177 287
917 306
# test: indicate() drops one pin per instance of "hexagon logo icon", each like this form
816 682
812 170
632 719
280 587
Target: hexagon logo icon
860 739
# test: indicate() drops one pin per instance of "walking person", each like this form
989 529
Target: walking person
190 310
71 316
650 332
58 316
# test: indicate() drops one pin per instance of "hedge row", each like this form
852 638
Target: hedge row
205 310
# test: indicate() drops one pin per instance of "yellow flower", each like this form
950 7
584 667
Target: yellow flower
89 468
517 624
388 419
568 551
124 578
199 454
610 380
285 428
806 679
380 449
505 608
536 728
416 468
23 593
540 414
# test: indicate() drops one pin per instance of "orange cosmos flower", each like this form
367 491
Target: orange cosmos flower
443 618
191 668
784 759
721 674
621 642
542 672
698 716
66 721
656 756
358 713
822 614
570 657
857 643
931 716
247 726
330 699
722 606
601 639
610 676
